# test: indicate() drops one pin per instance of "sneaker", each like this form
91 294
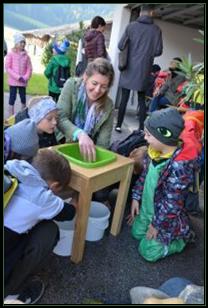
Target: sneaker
118 129
12 299
32 292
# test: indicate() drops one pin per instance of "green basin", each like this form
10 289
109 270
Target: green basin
72 153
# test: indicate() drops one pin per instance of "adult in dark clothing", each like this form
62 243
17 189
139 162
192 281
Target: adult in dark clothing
94 40
145 43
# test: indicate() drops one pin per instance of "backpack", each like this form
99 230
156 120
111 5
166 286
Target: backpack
123 56
124 147
10 185
61 75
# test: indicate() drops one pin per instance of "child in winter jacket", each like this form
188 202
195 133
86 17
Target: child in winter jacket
94 40
29 231
160 221
58 69
21 140
19 69
44 112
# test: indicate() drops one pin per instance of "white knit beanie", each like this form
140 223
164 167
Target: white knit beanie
18 37
41 109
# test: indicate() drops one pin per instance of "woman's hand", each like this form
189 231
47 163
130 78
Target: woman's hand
134 211
87 147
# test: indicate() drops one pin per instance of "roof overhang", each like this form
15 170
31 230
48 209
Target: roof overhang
186 14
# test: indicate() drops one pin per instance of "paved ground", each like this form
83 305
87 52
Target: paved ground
112 266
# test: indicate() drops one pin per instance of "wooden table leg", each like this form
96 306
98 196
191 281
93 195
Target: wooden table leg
82 214
121 201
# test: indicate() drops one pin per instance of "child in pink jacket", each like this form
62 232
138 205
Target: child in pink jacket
19 70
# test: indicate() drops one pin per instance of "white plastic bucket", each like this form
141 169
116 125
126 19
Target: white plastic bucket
98 221
64 245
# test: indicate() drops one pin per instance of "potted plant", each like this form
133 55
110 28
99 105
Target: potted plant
194 73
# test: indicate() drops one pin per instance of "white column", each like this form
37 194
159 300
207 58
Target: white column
121 19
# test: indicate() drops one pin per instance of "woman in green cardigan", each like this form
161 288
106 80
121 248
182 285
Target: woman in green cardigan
85 110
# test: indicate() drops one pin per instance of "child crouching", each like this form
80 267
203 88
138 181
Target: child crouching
160 221
29 232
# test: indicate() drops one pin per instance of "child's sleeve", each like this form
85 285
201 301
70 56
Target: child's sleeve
139 184
138 189
164 88
8 67
101 51
170 206
67 213
49 70
28 73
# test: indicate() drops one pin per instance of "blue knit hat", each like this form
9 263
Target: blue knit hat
38 111
62 48
24 138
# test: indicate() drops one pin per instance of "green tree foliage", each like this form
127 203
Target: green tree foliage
72 53
194 90
47 54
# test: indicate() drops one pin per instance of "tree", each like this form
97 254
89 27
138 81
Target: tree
72 53
47 54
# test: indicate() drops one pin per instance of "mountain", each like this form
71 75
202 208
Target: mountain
32 16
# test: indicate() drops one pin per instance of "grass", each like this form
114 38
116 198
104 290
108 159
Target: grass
37 85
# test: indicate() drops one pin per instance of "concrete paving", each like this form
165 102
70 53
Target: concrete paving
112 266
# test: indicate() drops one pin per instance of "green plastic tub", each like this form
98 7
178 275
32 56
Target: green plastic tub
72 153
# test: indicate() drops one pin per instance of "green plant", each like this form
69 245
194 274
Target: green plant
72 53
47 54
194 89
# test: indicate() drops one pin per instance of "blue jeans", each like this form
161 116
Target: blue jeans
157 102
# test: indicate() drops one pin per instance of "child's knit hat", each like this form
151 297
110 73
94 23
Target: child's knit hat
165 125
62 48
24 138
18 37
38 111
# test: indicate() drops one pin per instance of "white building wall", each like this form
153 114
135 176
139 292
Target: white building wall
120 20
177 42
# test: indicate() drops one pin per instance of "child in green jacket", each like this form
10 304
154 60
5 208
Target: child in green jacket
58 69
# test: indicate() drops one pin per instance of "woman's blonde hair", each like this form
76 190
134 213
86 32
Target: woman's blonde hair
103 67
